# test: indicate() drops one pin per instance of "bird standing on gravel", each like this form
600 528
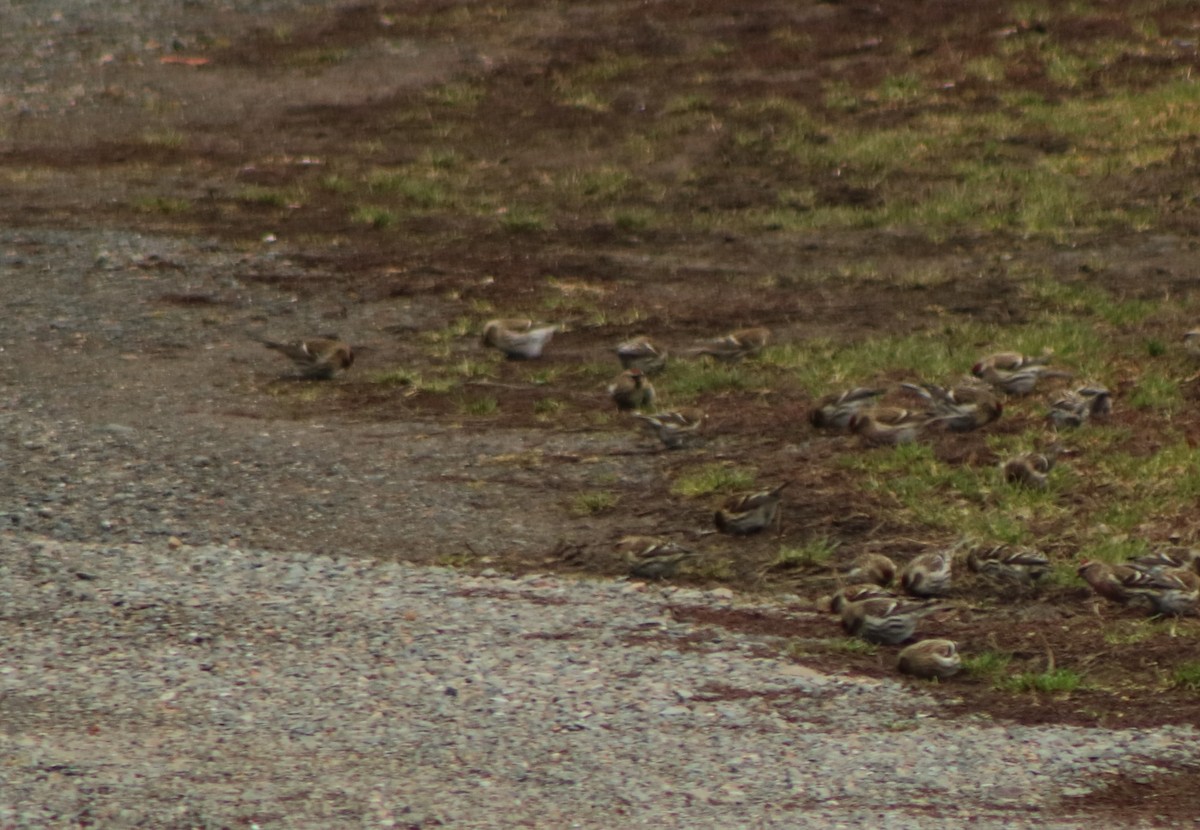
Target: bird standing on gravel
319 358
928 575
884 621
735 345
632 390
743 515
930 659
834 411
518 339
640 353
651 557
675 428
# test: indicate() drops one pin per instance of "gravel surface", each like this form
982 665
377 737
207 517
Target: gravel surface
144 685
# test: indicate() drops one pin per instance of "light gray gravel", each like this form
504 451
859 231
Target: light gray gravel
212 686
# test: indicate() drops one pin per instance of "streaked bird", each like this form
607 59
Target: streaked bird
884 621
930 659
1031 469
871 567
632 390
1078 406
1021 381
857 593
963 408
1174 592
319 358
640 353
735 345
519 339
650 557
1009 362
743 515
875 431
1116 583
1013 565
834 411
675 428
1167 558
928 575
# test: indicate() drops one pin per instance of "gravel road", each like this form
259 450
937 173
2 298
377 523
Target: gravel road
150 686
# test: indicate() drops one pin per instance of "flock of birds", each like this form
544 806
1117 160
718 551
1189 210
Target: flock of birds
876 600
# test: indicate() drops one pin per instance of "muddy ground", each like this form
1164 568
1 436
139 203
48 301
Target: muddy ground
247 135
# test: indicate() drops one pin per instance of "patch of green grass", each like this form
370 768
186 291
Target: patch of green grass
633 219
712 478
1056 681
1187 676
316 58
418 190
1123 632
548 406
986 663
848 645
375 216
1157 392
816 551
456 95
593 501
522 219
689 379
482 406
1113 549
163 139
263 196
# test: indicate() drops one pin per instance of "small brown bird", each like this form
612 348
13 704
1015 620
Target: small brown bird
857 593
1032 468
930 659
871 567
1019 382
735 345
1168 558
884 621
1116 583
1077 407
319 358
834 411
640 353
963 408
1009 362
744 515
675 428
1012 565
928 575
876 432
651 557
632 390
519 339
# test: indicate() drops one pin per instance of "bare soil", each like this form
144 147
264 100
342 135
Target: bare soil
270 111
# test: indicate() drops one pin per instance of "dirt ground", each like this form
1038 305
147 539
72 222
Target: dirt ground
232 133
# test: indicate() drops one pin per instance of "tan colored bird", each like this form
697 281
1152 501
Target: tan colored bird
1031 469
874 431
1077 407
640 353
651 557
857 593
964 408
930 659
1009 362
1173 592
743 515
1115 583
928 575
735 345
519 339
319 358
1021 381
675 428
884 621
632 390
1013 565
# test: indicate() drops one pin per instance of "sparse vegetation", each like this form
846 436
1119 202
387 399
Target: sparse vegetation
712 478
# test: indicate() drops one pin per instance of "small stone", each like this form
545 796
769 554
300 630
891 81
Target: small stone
174 543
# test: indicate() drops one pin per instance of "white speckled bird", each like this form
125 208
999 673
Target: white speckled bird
640 353
743 515
651 557
928 575
675 428
519 339
319 358
1009 362
1014 565
632 390
884 621
871 567
735 345
834 411
1077 407
1021 381
930 659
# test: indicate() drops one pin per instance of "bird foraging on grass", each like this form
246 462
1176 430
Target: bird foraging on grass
319 358
675 428
519 339
640 353
871 567
632 390
744 515
736 345
884 621
928 575
835 411
1009 362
